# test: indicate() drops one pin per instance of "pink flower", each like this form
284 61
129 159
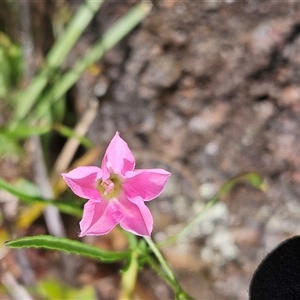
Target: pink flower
116 192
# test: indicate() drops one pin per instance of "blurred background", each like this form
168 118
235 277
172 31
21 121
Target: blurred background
205 89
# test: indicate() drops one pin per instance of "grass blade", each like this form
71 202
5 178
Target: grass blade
110 38
66 245
70 133
64 206
65 42
252 178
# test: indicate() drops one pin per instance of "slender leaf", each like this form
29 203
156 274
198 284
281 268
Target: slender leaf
67 245
23 132
64 206
69 133
65 42
5 74
110 38
252 178
8 146
10 62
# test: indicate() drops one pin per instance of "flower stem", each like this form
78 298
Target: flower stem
252 178
188 227
155 266
130 272
129 277
168 274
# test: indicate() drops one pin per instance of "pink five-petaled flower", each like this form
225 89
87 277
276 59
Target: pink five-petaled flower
116 192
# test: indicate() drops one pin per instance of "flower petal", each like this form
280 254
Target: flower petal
99 218
118 157
145 184
137 217
82 181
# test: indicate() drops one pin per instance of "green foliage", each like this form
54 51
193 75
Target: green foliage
10 62
67 245
252 178
54 59
24 132
69 133
53 289
28 193
37 110
8 146
109 39
40 104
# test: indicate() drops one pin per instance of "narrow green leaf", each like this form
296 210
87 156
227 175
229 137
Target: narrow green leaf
252 178
64 206
109 39
65 42
27 187
10 62
25 131
58 111
22 132
69 133
5 74
67 245
8 146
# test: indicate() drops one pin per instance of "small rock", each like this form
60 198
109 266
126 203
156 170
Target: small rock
101 86
207 190
203 57
270 34
178 37
212 5
210 118
291 51
219 247
290 96
246 237
212 148
264 110
163 71
187 101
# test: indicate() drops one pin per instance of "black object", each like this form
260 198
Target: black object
278 275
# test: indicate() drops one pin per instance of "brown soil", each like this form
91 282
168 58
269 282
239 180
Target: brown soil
207 90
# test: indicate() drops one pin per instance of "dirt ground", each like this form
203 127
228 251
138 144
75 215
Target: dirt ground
207 90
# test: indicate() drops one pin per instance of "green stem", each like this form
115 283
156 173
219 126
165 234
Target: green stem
129 277
130 272
252 178
64 206
63 45
191 224
171 279
155 266
161 260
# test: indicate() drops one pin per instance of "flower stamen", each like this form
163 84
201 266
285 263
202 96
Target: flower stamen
111 187
108 186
